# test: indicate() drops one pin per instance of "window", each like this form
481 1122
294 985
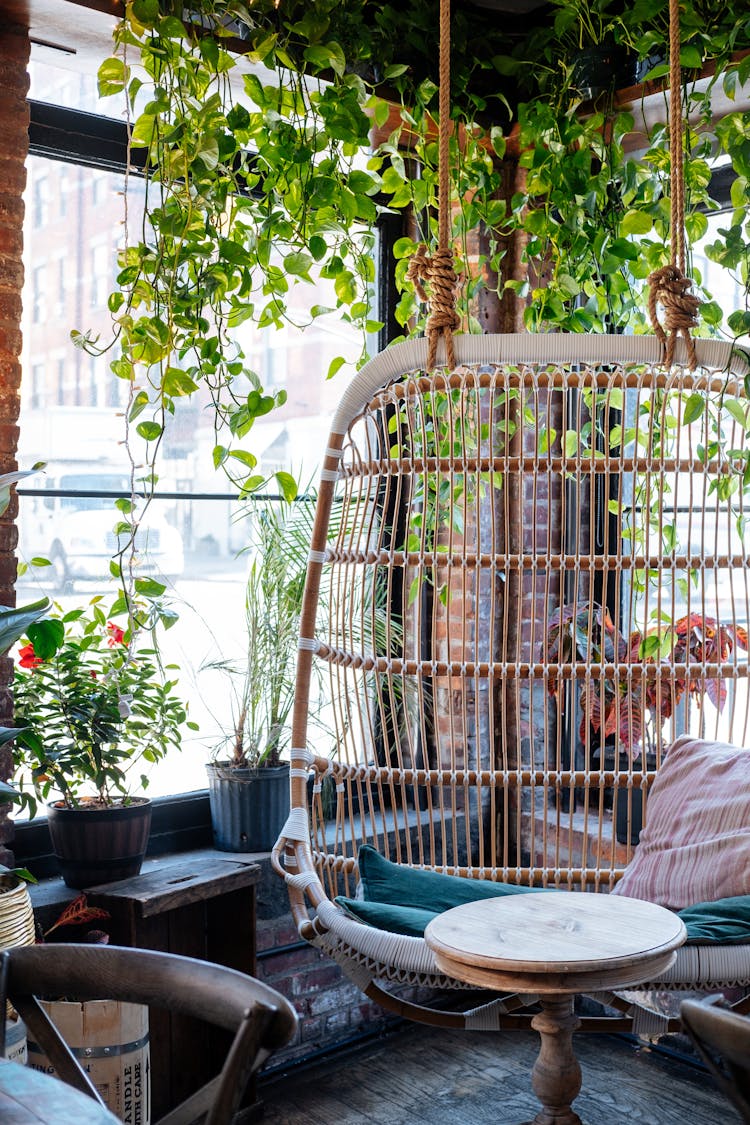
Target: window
40 202
61 273
102 273
195 527
39 294
37 385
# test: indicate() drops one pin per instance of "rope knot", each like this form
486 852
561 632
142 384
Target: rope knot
437 272
669 288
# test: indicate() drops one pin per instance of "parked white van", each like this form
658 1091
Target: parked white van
76 533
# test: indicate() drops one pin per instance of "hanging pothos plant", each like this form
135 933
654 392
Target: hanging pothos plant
255 126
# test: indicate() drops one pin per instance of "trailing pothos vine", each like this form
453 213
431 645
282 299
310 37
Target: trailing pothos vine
255 123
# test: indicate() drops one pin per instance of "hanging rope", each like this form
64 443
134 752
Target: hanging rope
669 286
437 271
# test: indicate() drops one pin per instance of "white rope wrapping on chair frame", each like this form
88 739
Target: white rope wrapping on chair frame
296 826
486 1017
524 347
704 967
302 880
696 967
408 953
648 1024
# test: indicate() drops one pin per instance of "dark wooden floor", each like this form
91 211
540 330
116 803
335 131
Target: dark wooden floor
431 1077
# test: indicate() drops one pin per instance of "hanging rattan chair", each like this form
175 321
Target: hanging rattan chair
476 577
528 576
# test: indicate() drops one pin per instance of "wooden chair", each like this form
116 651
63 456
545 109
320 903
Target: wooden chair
260 1017
492 547
722 1039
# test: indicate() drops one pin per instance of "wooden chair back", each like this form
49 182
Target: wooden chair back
722 1038
260 1018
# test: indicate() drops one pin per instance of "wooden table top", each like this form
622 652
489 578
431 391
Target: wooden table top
29 1097
559 940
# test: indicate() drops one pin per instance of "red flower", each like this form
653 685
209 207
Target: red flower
28 658
116 635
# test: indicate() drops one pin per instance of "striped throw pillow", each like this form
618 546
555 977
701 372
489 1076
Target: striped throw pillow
695 846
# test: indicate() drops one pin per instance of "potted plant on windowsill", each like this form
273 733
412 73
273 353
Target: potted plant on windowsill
628 715
91 703
248 780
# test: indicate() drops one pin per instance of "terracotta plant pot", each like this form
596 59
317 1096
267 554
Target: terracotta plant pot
99 844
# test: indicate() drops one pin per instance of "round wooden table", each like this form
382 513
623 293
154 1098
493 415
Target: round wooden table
29 1097
555 944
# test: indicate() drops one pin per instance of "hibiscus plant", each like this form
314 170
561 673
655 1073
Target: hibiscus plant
620 706
91 704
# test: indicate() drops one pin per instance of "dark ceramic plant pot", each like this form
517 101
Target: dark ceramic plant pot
607 67
95 844
249 807
636 810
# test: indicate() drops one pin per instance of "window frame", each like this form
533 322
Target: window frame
89 140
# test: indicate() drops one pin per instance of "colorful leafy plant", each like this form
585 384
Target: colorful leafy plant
618 706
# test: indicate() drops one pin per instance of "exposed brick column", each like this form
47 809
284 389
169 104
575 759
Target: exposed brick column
14 142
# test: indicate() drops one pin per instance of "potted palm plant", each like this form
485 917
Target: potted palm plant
92 703
248 780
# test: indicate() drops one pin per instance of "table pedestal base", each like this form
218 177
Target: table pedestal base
556 1077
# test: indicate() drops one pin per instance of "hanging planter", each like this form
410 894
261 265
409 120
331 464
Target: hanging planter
249 807
97 843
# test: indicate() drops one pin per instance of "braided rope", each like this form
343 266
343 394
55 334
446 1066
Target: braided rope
669 286
437 271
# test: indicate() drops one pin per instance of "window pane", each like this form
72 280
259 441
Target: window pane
71 418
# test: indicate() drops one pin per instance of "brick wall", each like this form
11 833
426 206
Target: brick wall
14 123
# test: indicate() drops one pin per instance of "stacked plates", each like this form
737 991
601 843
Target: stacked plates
16 915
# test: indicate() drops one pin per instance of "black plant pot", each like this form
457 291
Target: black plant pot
96 844
596 70
249 807
636 810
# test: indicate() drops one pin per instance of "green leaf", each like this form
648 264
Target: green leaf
15 621
220 454
150 431
245 458
112 77
636 222
149 587
738 412
146 11
177 383
694 408
690 56
287 484
395 70
46 637
298 263
335 365
622 248
497 141
38 560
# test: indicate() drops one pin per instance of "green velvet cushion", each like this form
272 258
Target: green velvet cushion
409 920
724 922
383 881
402 900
